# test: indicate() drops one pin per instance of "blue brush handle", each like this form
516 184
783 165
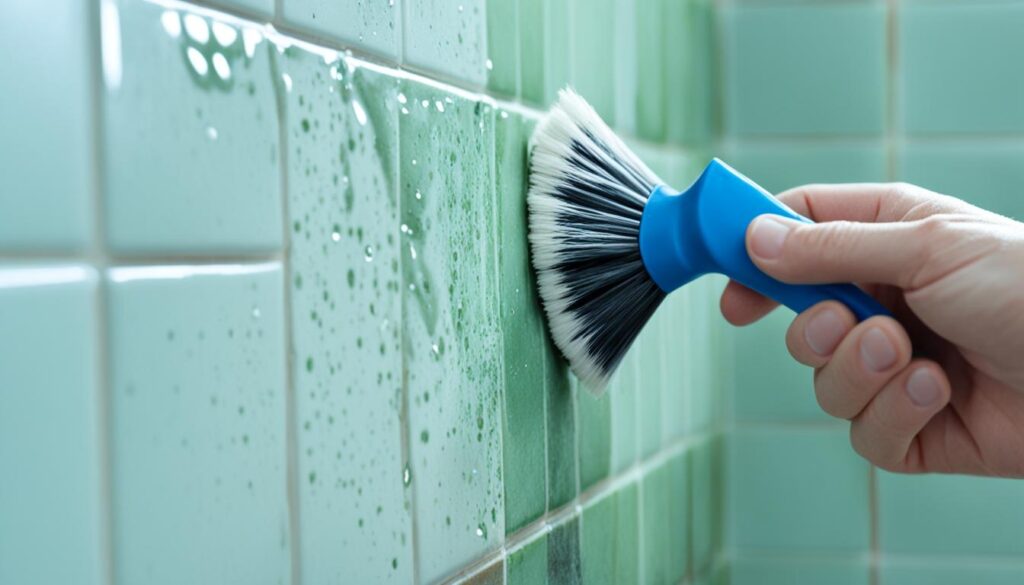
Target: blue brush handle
703 229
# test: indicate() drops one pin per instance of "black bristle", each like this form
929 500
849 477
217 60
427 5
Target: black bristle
587 196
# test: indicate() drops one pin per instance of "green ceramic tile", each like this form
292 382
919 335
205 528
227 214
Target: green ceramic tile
706 493
564 553
608 538
954 59
190 126
451 314
492 574
523 332
951 571
676 343
503 46
346 320
655 537
703 311
650 379
679 516
49 450
447 37
197 384
262 7
770 384
47 137
528 565
797 489
988 175
653 36
543 49
778 166
622 392
558 23
774 85
626 63
593 55
561 423
595 436
936 514
691 63
801 571
369 26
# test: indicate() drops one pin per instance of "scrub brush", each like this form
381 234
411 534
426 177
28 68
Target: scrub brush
609 240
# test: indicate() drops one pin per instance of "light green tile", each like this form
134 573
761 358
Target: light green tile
653 35
564 553
627 534
558 23
452 340
946 570
801 571
191 136
954 59
595 436
593 55
197 384
703 392
622 392
778 166
655 536
543 49
346 320
528 565
775 86
793 488
626 64
447 37
49 429
47 136
503 46
691 78
987 174
937 514
369 26
561 426
262 7
650 379
608 538
677 363
707 496
678 516
525 470
492 574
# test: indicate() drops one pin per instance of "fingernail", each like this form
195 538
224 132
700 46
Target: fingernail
876 351
767 236
824 332
923 388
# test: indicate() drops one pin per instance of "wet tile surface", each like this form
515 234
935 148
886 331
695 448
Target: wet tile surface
592 73
528 565
448 37
502 62
561 424
370 25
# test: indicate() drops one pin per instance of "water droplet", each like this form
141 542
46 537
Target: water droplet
226 35
197 28
404 228
489 64
461 7
402 99
360 112
406 475
309 364
481 530
221 66
287 79
414 163
256 313
439 106
198 61
211 133
252 37
425 436
335 236
172 23
418 194
368 253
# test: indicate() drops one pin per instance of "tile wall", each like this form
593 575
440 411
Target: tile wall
267 313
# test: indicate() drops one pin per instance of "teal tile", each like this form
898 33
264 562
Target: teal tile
655 535
261 7
346 320
564 553
650 379
370 26
197 383
700 335
561 436
49 429
532 46
649 70
706 496
940 514
558 22
801 571
987 174
691 65
190 127
47 139
528 565
595 436
503 46
525 470
447 37
797 489
622 392
774 85
608 538
678 516
627 84
770 385
452 341
976 43
778 166
676 342
950 571
593 55
492 574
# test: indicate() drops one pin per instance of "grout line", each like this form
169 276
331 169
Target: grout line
291 405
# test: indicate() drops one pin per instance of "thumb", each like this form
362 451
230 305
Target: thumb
838 251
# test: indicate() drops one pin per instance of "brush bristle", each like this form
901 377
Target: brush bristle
587 195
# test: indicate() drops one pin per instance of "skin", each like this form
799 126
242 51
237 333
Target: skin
940 388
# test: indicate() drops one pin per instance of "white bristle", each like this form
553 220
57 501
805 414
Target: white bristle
587 193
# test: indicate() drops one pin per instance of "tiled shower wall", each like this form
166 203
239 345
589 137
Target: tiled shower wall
266 312
926 91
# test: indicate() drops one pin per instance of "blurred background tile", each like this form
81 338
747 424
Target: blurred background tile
503 47
946 570
799 571
778 165
592 54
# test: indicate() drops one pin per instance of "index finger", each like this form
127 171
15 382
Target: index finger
866 202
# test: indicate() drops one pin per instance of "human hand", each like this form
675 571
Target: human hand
940 388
